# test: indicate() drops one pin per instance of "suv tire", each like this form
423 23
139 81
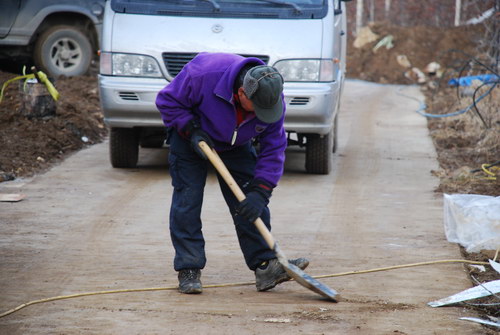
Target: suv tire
63 51
319 149
124 147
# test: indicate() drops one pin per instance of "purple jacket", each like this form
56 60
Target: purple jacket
204 89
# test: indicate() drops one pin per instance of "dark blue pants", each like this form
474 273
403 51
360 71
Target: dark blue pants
189 173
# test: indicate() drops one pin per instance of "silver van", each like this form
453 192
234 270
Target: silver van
145 44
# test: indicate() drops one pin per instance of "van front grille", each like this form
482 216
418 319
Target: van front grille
175 61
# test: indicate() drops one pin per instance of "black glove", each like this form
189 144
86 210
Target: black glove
256 200
195 134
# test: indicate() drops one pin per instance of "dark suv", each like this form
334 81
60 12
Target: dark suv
61 36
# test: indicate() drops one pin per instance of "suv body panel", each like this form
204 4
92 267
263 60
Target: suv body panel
31 14
41 30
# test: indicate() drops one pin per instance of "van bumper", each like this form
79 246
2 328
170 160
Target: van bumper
311 107
130 102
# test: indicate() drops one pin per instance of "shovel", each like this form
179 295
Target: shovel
293 271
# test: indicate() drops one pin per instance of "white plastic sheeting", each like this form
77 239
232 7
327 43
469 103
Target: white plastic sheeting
473 221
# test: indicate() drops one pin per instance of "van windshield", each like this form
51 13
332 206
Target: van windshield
272 9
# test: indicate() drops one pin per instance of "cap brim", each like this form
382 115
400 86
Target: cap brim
269 115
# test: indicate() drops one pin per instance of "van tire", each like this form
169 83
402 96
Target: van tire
63 51
124 147
319 150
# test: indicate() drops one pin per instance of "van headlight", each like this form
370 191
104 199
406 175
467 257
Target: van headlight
115 64
316 70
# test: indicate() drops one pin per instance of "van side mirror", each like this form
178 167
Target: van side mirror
338 10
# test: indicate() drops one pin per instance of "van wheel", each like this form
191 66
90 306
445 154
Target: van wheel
319 153
124 147
63 51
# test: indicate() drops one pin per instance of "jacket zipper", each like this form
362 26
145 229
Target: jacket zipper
235 134
235 131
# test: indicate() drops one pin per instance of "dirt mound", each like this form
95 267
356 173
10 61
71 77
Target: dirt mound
466 143
421 45
30 145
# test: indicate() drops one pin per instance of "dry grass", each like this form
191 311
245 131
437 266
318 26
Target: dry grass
467 141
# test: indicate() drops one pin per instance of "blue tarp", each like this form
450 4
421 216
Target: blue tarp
467 81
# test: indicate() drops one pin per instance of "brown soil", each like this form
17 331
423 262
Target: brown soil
463 143
31 145
421 45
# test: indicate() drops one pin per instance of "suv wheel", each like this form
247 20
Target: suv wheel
63 51
124 147
319 153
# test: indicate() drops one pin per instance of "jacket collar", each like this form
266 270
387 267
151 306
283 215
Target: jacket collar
224 87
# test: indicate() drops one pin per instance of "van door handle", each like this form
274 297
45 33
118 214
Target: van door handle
342 33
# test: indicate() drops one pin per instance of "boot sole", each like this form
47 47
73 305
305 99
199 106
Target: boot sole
191 290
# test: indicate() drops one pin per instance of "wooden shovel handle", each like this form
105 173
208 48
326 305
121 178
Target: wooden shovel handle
219 165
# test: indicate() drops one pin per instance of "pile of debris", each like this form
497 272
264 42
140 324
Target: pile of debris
408 55
412 73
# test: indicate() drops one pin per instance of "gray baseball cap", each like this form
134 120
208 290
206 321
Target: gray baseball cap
263 85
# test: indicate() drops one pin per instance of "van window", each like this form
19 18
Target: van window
262 9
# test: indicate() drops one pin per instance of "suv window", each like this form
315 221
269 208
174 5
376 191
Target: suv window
272 9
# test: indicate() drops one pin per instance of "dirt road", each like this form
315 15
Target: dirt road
87 227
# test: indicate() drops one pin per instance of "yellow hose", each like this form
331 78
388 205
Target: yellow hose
488 170
43 80
356 272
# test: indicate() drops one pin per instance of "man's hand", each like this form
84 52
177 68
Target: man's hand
255 201
198 136
195 134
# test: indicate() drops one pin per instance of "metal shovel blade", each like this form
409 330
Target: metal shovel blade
303 278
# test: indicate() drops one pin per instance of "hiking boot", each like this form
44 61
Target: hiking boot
271 273
189 281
